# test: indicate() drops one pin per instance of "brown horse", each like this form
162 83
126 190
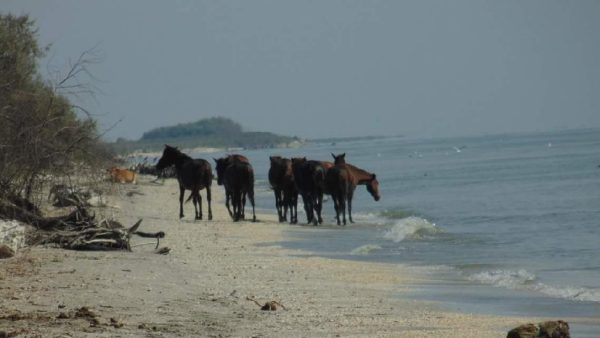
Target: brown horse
192 174
341 181
281 178
235 173
310 178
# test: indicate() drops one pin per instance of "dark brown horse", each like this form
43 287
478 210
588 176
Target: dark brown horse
220 165
309 177
192 174
237 176
282 182
341 181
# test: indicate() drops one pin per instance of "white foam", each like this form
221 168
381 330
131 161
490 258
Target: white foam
365 249
525 280
411 228
505 278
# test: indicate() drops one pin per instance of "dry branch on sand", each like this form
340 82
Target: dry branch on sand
76 231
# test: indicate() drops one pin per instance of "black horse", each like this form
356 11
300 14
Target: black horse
192 174
235 173
310 178
282 182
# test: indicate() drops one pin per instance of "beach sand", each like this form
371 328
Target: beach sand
200 288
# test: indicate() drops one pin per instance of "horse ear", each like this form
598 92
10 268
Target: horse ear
373 177
343 155
216 161
332 155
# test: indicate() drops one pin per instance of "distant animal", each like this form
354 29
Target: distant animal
341 181
192 174
309 177
281 179
236 174
122 175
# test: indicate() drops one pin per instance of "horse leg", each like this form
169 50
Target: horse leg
195 203
181 191
307 208
343 207
319 206
277 202
286 203
295 208
238 197
336 207
350 195
199 216
251 197
243 201
208 199
227 198
314 206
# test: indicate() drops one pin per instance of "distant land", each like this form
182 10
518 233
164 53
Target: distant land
213 132
350 139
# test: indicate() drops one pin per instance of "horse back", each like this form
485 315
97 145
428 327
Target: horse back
195 173
338 179
239 175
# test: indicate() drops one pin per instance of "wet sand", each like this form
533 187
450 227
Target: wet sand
200 288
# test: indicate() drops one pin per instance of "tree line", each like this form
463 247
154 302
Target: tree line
43 134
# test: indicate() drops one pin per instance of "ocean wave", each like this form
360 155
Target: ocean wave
395 213
411 228
525 280
365 249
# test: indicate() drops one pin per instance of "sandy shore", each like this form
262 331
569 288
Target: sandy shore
199 289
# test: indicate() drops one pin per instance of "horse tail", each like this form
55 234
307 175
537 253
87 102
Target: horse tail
189 198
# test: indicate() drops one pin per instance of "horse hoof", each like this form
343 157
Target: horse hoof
210 217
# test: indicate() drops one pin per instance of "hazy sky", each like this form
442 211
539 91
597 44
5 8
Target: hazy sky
334 68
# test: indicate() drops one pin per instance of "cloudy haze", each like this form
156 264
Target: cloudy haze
333 68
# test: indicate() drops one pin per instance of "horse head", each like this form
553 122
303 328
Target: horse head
373 188
220 165
339 159
168 157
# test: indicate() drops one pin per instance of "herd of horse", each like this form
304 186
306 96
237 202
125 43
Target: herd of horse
289 178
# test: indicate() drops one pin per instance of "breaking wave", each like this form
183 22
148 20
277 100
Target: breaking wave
412 228
525 280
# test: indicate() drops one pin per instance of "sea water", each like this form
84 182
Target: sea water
507 224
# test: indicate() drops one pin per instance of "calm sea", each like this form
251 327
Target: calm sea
507 224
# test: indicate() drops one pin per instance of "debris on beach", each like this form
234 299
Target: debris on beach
549 329
268 306
6 251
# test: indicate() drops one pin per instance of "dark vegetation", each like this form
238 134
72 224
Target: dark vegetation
43 135
216 132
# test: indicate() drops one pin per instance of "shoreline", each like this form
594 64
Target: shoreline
200 288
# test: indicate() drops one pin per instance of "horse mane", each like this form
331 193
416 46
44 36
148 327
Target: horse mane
361 174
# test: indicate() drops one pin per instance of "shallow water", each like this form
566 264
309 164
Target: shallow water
510 224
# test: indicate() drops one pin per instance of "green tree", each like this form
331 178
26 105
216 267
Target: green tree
40 132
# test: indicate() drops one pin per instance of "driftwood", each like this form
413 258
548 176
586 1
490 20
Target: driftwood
268 306
76 231
93 238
